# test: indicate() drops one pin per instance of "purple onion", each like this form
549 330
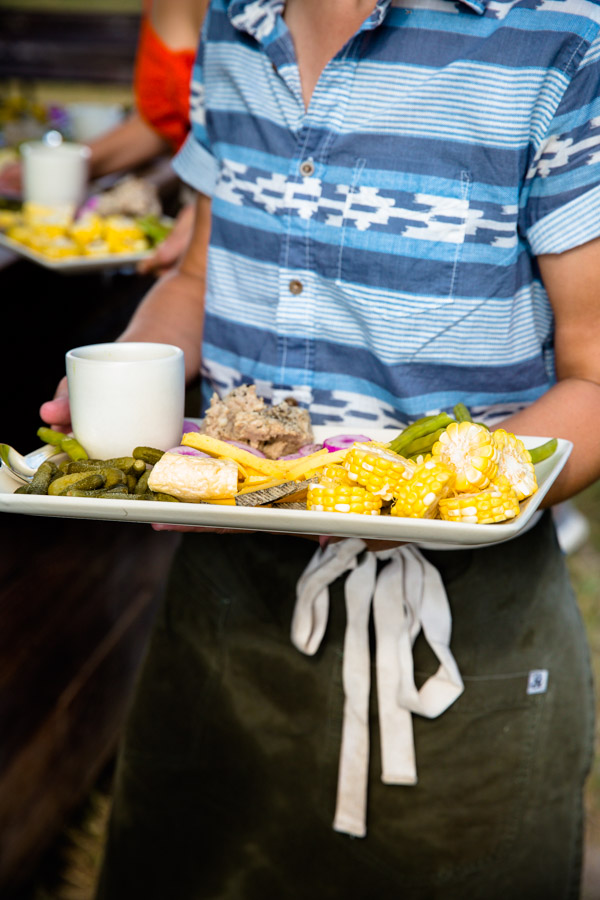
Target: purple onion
188 451
247 447
306 450
189 426
344 441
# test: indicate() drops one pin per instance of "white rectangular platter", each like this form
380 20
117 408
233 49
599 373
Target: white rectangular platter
392 528
74 265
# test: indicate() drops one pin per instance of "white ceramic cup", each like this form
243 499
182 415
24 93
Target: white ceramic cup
126 395
55 176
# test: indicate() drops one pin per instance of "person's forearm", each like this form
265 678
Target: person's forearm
568 410
172 313
173 310
126 146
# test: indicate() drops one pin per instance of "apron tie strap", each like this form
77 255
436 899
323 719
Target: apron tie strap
408 596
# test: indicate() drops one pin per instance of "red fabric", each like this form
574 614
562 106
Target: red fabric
162 85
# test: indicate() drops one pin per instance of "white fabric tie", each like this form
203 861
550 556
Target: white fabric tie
407 597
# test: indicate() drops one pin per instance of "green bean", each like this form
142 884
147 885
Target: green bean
67 444
543 451
49 436
461 413
419 430
422 445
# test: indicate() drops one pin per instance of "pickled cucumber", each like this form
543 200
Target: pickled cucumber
149 455
84 481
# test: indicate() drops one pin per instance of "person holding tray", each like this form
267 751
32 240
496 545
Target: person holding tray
398 210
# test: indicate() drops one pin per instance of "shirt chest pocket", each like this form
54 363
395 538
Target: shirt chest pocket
402 239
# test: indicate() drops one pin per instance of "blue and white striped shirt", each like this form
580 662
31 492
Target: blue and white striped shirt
374 255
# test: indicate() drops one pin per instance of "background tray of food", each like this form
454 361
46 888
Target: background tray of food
91 241
296 521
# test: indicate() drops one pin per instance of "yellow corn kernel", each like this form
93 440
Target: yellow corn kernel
496 503
469 450
331 496
380 471
123 234
61 248
89 227
21 233
515 463
96 248
57 217
419 496
335 473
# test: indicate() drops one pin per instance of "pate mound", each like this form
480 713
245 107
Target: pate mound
242 416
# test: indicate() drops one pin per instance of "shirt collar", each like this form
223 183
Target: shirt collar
259 17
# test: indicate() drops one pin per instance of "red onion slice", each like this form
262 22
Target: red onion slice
188 451
306 450
190 426
344 441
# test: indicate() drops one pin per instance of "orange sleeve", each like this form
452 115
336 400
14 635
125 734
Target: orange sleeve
162 85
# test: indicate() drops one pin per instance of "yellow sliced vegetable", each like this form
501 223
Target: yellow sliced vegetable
469 450
419 496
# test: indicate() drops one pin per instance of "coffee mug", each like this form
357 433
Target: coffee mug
125 395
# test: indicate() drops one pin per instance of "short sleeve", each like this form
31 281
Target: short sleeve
195 163
562 188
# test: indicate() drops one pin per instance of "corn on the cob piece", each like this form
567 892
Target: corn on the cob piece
123 235
419 496
469 450
496 503
380 471
331 496
61 248
335 473
515 463
89 227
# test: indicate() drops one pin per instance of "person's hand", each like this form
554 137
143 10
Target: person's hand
57 412
11 182
169 251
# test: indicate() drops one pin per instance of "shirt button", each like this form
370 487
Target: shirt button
295 286
307 167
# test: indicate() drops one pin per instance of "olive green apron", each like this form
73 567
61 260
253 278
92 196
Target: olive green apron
226 781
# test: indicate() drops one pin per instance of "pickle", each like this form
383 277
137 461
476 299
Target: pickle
40 482
156 495
142 482
149 455
84 481
100 493
112 475
125 463
131 480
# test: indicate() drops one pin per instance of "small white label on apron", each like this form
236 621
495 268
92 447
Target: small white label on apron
537 681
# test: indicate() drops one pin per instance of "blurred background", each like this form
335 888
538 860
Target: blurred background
77 598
